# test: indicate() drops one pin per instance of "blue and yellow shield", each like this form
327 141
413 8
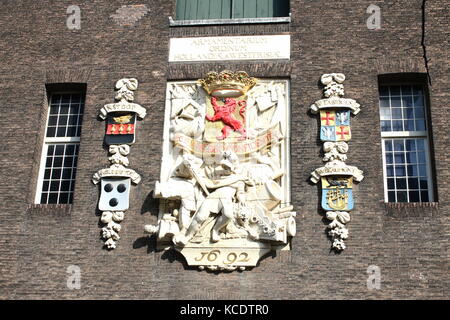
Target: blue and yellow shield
337 193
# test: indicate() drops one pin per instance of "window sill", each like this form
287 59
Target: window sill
59 209
411 209
183 23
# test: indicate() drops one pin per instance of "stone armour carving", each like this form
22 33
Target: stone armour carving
336 176
116 179
224 175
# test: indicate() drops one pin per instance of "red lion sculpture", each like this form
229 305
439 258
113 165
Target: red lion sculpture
225 114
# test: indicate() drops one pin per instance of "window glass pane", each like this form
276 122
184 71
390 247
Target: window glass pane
420 125
418 101
396 113
396 102
419 113
57 161
54 186
411 157
61 132
51 132
408 113
47 173
400 171
420 144
64 108
390 171
71 131
421 157
409 125
424 196
59 149
52 120
391 196
389 158
423 170
402 196
399 145
67 174
54 110
410 145
63 197
385 114
413 171
390 184
65 185
423 184
401 183
386 126
397 125
414 196
388 145
53 197
413 183
44 197
399 157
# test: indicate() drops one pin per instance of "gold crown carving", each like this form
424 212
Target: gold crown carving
227 83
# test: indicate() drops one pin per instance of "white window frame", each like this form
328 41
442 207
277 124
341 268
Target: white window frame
392 135
47 141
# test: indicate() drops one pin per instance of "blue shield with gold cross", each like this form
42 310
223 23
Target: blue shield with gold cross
337 193
335 125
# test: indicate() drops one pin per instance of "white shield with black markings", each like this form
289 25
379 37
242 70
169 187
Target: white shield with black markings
114 194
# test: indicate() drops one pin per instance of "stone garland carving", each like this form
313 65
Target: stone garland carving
116 180
224 195
336 176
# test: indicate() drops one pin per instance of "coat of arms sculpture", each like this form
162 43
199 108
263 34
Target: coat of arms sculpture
336 176
224 184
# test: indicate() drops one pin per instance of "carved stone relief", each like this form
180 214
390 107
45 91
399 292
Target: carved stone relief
224 183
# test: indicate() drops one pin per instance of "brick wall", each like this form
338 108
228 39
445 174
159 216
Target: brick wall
38 243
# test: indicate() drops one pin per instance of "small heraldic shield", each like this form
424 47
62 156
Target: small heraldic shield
114 194
337 193
335 125
120 128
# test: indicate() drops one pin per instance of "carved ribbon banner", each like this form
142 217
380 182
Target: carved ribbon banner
199 147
